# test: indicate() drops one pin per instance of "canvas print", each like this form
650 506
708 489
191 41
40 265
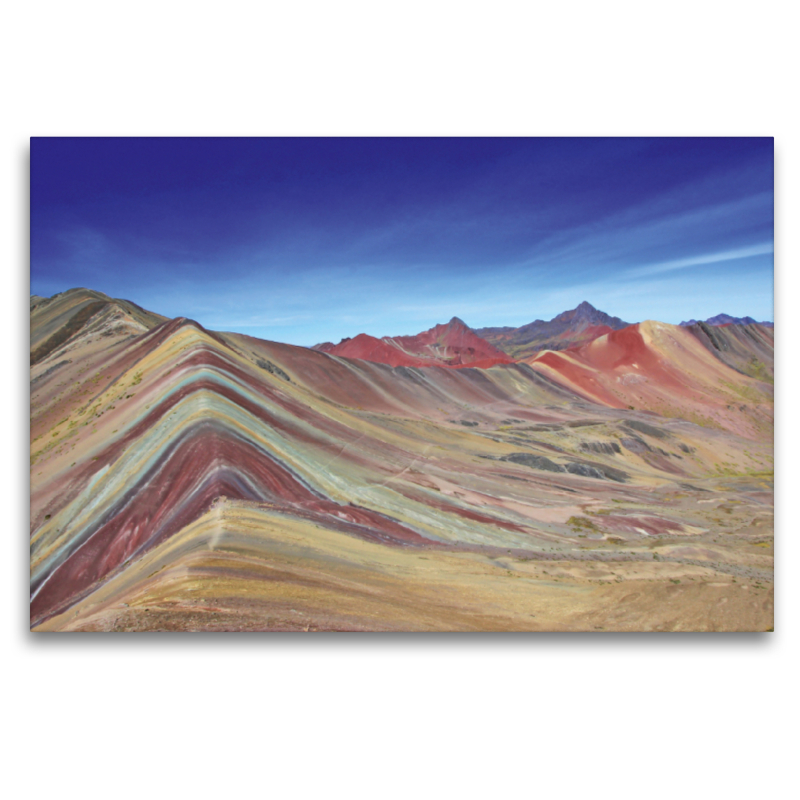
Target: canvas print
401 384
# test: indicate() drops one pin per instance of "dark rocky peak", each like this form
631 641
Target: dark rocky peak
586 312
583 311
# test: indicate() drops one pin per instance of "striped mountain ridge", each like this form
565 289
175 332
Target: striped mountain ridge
54 320
204 426
747 348
214 430
167 459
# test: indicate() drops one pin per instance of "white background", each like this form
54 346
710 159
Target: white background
395 716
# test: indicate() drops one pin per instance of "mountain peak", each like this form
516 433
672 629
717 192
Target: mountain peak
721 319
580 324
586 312
456 322
583 311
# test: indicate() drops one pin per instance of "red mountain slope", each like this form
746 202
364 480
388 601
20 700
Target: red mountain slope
452 345
665 369
369 348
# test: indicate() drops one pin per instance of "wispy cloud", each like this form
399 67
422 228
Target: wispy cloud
696 261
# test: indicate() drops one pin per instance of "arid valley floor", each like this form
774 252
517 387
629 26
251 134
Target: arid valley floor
184 479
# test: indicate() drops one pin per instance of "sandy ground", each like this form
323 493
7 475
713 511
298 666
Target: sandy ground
271 572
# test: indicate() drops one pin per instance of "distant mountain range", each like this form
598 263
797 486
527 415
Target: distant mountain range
455 344
727 319
581 324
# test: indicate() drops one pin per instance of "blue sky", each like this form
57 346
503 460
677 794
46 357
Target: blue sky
308 240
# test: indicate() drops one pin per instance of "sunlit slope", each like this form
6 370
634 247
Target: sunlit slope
58 319
245 567
667 370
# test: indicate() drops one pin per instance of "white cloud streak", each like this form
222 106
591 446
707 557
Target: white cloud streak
696 261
